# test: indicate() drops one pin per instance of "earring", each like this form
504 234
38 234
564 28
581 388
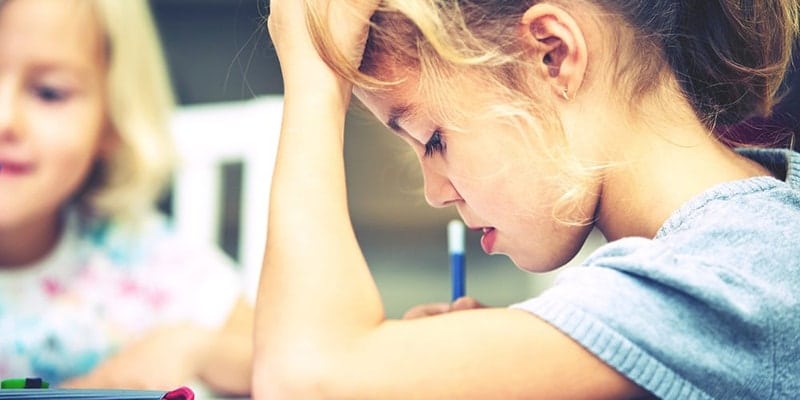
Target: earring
565 94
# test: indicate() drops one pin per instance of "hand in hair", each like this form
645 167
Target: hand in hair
348 22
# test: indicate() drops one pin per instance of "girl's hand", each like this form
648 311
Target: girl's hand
347 23
431 309
164 359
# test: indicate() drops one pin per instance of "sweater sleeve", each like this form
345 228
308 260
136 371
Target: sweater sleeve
647 328
709 308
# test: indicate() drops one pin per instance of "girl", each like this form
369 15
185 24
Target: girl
95 290
539 120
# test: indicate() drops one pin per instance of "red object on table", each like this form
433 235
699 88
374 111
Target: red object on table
181 393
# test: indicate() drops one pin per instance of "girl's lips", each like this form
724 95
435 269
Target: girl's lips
488 239
14 168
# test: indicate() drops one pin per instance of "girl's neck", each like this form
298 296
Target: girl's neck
660 165
30 242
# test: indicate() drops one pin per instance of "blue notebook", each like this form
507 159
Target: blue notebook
97 394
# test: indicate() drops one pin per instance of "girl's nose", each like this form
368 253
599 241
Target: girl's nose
439 191
9 115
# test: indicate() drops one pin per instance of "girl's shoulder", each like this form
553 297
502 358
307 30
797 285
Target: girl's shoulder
767 207
721 274
666 311
784 163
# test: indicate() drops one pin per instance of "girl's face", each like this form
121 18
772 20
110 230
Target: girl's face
52 74
498 178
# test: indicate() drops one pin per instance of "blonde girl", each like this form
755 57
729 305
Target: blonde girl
96 290
539 120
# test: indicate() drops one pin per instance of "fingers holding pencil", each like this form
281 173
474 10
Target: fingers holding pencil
431 309
456 237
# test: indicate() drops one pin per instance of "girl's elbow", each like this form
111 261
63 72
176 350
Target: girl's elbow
290 375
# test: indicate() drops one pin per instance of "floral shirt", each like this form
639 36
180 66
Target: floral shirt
103 286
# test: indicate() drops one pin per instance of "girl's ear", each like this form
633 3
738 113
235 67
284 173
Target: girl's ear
558 46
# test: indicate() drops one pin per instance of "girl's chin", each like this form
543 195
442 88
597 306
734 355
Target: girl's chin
532 264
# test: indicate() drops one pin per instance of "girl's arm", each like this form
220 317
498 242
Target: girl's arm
227 366
320 326
174 355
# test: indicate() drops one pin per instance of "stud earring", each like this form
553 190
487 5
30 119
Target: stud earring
565 94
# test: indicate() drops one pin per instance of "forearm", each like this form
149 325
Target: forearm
316 291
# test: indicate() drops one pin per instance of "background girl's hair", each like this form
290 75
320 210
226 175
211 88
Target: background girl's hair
129 178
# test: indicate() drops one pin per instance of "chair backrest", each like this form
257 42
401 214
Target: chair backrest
212 138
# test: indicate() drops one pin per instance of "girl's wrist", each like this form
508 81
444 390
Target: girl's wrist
317 89
313 74
196 342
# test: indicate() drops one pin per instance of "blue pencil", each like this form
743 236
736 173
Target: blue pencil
455 247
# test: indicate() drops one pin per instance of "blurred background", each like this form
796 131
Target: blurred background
220 58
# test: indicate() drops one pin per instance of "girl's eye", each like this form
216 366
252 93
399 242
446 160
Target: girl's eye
50 94
435 144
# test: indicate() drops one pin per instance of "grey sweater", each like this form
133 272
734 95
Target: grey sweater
709 307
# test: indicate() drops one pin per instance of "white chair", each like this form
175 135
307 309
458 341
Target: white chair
207 137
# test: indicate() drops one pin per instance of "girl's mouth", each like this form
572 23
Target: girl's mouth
488 239
11 168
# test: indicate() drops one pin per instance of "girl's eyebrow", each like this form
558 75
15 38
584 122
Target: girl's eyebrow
75 72
396 114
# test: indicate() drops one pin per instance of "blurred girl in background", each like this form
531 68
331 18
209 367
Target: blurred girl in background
95 288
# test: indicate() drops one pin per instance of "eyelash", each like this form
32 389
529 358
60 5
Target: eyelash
435 144
50 94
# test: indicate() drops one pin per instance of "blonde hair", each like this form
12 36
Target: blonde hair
128 179
729 61
443 44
